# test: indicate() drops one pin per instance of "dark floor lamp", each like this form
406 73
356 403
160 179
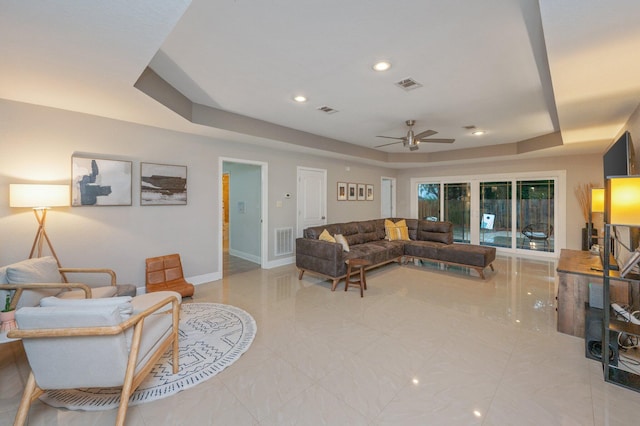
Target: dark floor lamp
40 198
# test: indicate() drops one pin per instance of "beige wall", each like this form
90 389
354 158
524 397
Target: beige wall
36 145
579 169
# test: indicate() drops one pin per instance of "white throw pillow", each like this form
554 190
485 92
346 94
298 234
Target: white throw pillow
122 302
37 270
342 240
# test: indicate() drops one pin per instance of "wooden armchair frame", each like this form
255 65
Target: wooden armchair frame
62 285
131 379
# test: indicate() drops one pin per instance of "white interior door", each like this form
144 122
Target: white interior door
388 197
312 198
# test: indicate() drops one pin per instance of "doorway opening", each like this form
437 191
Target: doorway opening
243 194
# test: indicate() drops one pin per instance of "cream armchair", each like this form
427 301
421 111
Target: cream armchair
96 343
30 280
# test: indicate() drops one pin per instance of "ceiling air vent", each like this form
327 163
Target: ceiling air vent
327 109
408 84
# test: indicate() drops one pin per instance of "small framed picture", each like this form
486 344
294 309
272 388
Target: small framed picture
361 192
369 192
163 185
342 191
352 192
99 182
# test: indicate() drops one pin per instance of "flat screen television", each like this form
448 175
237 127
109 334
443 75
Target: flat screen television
619 158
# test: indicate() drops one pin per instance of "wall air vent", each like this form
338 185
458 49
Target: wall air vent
408 84
283 241
327 109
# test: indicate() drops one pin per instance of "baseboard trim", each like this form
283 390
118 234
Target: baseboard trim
280 262
246 256
205 278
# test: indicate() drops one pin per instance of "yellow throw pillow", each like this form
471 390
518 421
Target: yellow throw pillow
342 240
404 229
326 236
396 231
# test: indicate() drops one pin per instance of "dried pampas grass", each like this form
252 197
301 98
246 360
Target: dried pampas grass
583 194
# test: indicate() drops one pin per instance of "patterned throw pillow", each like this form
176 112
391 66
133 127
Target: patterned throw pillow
326 236
396 231
342 240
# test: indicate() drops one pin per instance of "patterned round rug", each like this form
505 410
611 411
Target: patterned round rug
212 337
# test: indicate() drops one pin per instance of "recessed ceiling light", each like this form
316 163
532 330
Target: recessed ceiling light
478 133
382 66
300 98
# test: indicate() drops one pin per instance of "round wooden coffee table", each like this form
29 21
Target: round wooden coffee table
361 281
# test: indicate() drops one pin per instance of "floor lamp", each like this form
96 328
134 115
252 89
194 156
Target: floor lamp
40 198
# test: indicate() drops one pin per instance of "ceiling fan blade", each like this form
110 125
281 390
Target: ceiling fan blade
425 134
387 144
437 140
390 137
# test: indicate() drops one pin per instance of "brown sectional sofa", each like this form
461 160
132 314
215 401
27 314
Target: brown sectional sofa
428 240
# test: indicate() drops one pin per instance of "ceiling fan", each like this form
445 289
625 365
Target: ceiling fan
412 141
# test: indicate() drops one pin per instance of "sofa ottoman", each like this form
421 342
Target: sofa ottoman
472 256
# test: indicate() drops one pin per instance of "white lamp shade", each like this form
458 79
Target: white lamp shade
38 196
625 201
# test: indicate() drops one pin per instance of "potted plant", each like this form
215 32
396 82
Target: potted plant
7 315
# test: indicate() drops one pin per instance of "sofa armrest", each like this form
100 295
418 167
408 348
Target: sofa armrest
319 248
320 256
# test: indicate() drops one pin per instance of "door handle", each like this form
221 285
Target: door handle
323 218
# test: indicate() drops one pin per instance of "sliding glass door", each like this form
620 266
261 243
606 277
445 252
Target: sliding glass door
517 213
457 210
429 201
495 214
536 214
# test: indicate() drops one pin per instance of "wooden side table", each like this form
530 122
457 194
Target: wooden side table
361 281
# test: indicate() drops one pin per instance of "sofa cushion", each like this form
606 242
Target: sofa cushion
368 231
412 225
374 253
37 270
352 233
394 248
423 249
326 236
435 231
123 304
380 230
315 231
465 254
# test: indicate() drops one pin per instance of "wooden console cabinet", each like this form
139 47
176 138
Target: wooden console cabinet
576 269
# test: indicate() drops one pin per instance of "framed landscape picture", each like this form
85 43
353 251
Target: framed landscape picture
369 192
342 191
99 182
352 192
163 185
361 192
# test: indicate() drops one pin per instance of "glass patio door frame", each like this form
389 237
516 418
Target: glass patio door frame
559 220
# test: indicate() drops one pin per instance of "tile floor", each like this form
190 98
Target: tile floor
423 347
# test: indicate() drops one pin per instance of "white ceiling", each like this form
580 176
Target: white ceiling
516 69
